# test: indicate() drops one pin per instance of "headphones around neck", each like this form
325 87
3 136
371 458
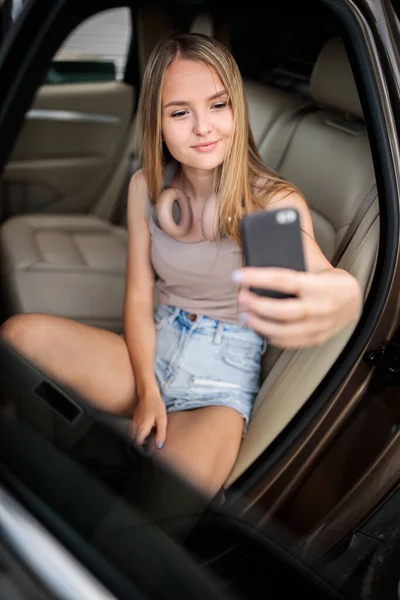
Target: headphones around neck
175 216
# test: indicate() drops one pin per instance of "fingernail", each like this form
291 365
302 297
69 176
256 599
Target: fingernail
244 317
237 276
160 445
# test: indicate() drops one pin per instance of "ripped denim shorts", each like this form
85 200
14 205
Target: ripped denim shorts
205 362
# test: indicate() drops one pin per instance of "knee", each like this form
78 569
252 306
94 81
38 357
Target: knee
22 331
12 329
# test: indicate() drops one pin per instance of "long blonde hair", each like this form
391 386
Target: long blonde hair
243 183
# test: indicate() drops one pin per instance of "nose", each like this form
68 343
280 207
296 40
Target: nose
202 124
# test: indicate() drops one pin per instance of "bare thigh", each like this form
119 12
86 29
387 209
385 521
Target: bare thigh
94 362
202 445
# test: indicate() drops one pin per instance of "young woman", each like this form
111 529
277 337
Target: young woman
188 372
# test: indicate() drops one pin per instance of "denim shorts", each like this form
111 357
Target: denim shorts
205 362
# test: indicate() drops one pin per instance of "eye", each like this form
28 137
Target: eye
179 113
219 105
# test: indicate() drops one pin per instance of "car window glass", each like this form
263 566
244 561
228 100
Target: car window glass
66 256
128 518
95 51
96 506
76 127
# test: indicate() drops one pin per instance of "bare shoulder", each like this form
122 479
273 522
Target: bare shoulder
277 191
138 182
292 199
137 193
281 196
287 198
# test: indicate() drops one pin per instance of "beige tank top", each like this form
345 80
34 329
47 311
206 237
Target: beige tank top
195 277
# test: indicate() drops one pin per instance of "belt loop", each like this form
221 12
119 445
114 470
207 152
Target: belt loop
173 315
264 346
218 334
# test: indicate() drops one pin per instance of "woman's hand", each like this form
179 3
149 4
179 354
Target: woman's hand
149 414
327 299
326 302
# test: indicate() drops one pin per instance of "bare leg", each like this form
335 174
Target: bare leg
93 362
202 445
201 448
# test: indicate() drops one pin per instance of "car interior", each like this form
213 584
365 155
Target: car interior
63 237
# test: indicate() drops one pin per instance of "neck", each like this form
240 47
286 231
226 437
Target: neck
198 184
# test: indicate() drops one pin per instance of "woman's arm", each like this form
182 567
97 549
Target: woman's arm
139 328
327 300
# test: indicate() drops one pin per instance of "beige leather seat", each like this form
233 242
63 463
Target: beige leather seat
273 116
329 159
72 266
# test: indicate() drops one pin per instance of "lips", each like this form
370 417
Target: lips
206 146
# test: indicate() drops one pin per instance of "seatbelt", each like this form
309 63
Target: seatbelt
277 155
365 205
118 213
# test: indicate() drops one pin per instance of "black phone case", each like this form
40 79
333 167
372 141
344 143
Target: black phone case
273 239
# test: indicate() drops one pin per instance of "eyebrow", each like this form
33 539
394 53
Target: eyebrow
184 103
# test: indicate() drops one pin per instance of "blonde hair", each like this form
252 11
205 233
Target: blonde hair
243 183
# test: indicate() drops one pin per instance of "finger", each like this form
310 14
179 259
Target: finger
143 432
296 309
161 427
287 281
290 335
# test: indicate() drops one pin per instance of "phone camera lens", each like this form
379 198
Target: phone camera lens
286 216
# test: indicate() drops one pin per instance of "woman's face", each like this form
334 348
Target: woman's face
197 119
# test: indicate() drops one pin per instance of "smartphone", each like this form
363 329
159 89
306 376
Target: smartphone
273 239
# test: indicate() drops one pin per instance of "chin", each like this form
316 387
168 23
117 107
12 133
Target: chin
207 162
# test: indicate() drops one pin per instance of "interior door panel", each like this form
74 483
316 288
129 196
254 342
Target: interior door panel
68 148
